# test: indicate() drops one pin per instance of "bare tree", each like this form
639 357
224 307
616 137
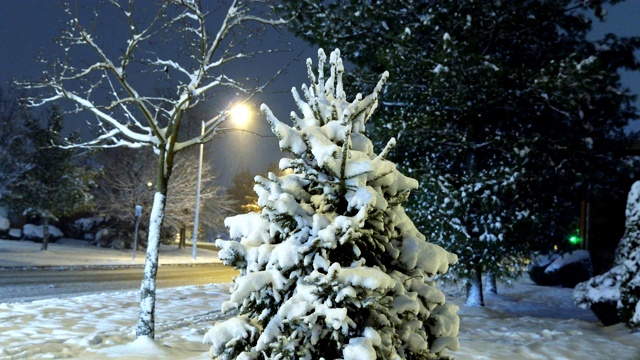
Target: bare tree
175 45
215 205
126 180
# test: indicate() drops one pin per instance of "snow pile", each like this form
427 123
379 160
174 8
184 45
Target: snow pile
332 267
621 284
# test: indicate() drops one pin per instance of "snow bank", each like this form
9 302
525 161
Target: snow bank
140 348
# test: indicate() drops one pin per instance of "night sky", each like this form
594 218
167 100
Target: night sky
27 29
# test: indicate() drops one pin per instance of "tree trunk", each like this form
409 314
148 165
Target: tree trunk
45 235
474 289
183 237
490 282
146 317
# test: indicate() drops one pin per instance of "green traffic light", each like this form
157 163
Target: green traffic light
574 240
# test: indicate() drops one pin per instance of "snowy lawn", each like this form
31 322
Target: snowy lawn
525 322
78 253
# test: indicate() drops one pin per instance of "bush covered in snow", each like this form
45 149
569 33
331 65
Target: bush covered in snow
565 270
4 225
621 284
82 227
36 233
14 234
332 267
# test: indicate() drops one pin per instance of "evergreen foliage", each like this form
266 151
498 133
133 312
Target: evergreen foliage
126 180
242 193
57 185
332 267
16 148
504 111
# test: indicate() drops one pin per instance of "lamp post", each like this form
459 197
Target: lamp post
197 209
240 114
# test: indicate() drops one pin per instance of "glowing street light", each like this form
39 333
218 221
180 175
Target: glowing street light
241 114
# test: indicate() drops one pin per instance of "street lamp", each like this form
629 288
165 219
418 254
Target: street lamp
197 209
240 114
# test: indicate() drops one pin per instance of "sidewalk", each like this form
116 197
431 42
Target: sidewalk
70 253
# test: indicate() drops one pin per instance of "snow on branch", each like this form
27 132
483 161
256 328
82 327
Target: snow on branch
112 76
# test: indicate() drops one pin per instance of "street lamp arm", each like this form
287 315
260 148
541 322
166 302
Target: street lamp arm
227 130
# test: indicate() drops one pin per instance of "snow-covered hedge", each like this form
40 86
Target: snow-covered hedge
332 267
15 233
5 225
621 284
566 269
36 233
568 258
80 228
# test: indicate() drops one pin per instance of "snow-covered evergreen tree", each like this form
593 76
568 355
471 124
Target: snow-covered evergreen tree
16 148
332 267
621 284
57 184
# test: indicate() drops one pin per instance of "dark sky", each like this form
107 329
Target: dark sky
623 20
27 28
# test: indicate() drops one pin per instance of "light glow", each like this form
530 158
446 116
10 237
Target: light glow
240 115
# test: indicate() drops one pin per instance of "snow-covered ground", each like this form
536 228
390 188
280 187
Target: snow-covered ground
524 322
78 253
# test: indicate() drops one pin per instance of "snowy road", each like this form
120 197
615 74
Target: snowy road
29 285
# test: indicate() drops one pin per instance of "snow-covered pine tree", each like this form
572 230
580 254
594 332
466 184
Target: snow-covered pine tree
56 184
332 267
621 284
